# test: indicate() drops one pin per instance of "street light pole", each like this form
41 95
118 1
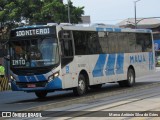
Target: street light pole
69 20
135 13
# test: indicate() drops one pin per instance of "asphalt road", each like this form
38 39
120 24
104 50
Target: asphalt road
19 101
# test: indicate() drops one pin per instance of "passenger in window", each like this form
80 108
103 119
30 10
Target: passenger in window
19 52
35 56
138 48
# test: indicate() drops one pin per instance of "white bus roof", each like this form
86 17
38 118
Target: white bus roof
107 29
91 28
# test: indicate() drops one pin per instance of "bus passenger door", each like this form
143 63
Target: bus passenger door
66 59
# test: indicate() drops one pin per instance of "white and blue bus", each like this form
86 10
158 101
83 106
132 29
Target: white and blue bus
60 57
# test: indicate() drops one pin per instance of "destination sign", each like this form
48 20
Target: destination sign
20 62
40 31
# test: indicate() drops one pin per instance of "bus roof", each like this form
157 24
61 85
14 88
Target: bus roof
106 29
88 28
28 27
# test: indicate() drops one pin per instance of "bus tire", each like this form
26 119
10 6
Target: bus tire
41 94
82 88
130 79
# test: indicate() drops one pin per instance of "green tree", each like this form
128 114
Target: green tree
56 11
13 12
31 10
52 11
75 12
7 12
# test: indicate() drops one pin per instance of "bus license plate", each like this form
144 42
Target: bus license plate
31 85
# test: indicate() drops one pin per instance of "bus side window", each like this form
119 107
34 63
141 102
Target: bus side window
145 41
132 43
62 48
66 47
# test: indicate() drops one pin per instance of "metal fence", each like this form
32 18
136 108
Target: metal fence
4 84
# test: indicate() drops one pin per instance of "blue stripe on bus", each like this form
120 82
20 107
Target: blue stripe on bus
22 79
98 69
151 61
31 78
40 77
148 31
110 64
56 84
99 29
143 30
120 30
29 27
109 29
104 29
120 64
117 29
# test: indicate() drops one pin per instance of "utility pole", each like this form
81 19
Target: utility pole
135 13
69 19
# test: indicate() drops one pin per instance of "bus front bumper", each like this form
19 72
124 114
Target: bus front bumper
54 84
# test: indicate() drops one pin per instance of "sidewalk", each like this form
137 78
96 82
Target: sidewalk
157 68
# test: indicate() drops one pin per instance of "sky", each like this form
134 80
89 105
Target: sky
114 11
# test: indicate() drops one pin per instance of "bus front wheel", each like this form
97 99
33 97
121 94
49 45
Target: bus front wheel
81 89
41 94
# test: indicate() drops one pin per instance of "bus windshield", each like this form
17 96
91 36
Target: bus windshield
35 52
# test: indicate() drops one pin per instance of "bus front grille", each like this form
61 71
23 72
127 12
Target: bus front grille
31 84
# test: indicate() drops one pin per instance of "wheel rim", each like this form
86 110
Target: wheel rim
81 85
131 78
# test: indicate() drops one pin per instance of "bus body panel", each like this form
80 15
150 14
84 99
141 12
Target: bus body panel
143 63
69 75
105 68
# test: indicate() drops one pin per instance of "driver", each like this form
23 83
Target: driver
19 52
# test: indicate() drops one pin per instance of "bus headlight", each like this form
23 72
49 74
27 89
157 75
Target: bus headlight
12 78
50 78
